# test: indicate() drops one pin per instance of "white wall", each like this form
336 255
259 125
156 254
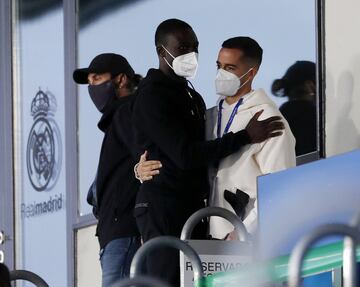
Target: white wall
88 270
342 46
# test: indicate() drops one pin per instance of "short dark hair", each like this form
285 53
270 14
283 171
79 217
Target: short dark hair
251 49
167 27
134 82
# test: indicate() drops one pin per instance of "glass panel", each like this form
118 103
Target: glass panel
286 30
39 139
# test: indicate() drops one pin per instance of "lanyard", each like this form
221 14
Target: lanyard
232 116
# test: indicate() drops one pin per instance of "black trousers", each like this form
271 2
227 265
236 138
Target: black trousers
160 216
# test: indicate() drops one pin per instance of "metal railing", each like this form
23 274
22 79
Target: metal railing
349 255
166 241
214 211
28 276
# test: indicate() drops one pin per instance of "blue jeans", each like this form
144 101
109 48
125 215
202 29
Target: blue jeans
115 259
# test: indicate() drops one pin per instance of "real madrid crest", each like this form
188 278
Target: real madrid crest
44 150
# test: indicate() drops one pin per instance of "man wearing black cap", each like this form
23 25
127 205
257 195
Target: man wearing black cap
169 117
112 82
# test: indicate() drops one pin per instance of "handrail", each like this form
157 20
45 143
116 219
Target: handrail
28 276
298 253
319 259
166 241
349 270
214 211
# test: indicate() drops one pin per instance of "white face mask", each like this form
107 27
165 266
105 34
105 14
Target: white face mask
227 84
184 65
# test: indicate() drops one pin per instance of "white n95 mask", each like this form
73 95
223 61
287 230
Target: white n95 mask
184 65
227 84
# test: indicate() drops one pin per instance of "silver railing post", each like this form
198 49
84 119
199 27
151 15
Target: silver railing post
349 269
166 241
214 211
298 253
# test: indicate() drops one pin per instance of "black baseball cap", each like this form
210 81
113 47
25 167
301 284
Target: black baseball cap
104 63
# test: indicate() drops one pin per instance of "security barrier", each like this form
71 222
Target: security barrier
319 259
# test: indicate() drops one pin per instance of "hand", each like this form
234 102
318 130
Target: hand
146 169
260 131
232 236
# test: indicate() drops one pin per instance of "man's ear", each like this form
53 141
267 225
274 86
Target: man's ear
253 72
121 80
160 51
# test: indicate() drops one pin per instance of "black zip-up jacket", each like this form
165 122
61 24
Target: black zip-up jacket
116 185
169 117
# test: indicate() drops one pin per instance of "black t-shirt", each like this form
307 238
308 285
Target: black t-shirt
301 116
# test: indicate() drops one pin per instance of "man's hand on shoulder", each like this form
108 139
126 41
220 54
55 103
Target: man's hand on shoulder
260 131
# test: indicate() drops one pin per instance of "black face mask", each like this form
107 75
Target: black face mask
101 94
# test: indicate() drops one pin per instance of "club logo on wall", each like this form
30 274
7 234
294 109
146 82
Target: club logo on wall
44 150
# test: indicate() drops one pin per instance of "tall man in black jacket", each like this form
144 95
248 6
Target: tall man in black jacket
112 82
169 117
